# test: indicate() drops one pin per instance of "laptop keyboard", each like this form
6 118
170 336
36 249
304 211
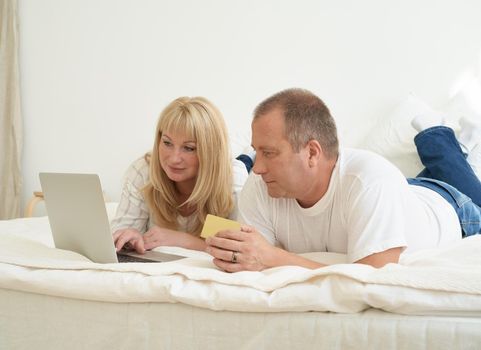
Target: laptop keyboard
129 259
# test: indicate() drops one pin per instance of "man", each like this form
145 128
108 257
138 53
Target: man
307 195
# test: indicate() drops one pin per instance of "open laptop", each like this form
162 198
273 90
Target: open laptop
79 222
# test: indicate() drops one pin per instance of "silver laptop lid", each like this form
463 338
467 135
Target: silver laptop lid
77 215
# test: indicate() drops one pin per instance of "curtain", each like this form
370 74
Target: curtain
10 114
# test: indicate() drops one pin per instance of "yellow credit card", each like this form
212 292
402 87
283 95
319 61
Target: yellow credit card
214 224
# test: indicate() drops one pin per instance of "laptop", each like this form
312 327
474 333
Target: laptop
79 222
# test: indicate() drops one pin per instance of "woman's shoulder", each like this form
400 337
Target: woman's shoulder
138 171
141 162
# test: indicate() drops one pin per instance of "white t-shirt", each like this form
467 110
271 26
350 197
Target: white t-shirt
132 211
368 208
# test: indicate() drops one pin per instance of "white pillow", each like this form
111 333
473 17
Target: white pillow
239 141
465 103
393 136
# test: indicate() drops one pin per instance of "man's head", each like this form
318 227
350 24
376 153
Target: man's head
306 118
296 142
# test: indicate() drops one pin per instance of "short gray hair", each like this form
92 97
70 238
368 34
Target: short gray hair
306 118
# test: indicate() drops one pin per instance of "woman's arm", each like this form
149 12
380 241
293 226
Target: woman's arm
158 236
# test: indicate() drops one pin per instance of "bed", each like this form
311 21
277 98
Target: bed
55 299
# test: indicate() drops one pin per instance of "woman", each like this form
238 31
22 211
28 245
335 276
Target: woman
189 174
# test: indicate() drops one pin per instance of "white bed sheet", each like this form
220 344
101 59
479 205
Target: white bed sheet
446 282
57 299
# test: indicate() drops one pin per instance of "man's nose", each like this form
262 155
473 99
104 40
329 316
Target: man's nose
259 167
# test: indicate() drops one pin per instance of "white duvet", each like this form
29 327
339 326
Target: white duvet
446 281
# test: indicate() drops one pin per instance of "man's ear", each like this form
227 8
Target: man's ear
315 152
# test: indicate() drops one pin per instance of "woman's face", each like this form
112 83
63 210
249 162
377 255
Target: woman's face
178 158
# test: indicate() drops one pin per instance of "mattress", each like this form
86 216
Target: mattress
36 321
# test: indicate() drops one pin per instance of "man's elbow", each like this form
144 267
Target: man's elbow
378 260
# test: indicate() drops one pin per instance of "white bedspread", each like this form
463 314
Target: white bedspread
432 282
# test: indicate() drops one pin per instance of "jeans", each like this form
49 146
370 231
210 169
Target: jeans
448 173
248 162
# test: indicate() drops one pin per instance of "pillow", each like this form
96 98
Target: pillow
465 103
393 136
239 141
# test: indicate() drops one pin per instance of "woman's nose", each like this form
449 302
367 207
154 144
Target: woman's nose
176 155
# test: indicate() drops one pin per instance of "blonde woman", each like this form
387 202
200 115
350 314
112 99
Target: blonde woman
189 173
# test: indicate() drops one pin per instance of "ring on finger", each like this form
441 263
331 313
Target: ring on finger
233 259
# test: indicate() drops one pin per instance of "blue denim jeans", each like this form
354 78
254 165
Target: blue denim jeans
248 162
448 173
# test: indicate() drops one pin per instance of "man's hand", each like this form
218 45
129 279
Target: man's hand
247 249
129 239
241 250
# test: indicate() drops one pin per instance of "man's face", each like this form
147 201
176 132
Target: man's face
283 170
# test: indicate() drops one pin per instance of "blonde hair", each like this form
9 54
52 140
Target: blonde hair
200 120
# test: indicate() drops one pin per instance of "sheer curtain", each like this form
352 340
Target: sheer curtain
10 115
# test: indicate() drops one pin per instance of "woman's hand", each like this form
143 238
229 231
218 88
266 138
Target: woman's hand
129 239
158 236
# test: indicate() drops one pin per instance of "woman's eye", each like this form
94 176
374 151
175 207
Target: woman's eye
189 148
167 143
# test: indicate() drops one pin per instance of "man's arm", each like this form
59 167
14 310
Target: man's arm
382 258
247 249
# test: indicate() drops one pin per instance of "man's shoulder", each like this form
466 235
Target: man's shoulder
365 169
360 155
359 161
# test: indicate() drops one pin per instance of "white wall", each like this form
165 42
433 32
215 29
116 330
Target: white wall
96 73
